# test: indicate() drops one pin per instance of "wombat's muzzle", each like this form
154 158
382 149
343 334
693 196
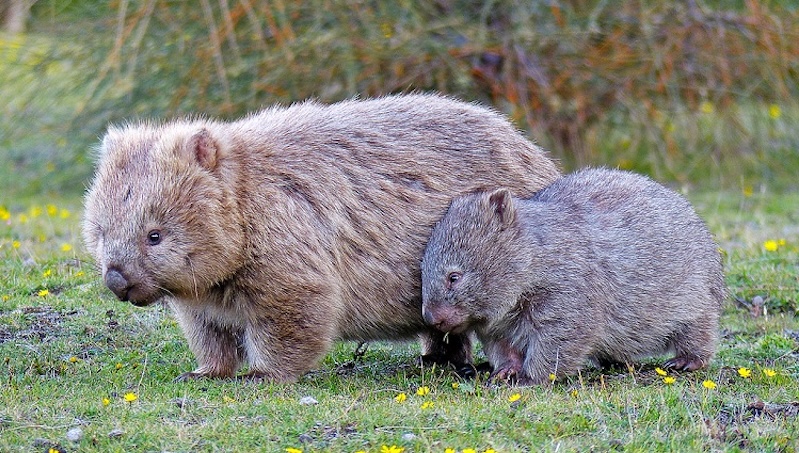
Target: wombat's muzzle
117 283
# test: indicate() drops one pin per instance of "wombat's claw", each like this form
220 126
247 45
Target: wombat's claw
190 376
685 363
252 376
504 375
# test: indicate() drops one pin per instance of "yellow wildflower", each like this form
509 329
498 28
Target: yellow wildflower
774 111
16 244
118 366
47 273
391 449
293 450
427 405
708 384
5 215
449 450
130 397
64 213
106 401
744 372
22 218
53 450
490 450
43 293
769 372
401 398
52 210
79 274
35 211
661 372
455 385
513 398
422 391
73 359
66 247
6 297
574 393
771 245
706 107
668 380
552 377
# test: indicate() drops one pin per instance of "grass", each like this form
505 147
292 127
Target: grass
71 353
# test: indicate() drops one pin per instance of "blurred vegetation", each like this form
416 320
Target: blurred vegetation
697 92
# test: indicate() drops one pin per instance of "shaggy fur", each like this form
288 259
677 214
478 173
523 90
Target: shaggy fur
272 236
603 266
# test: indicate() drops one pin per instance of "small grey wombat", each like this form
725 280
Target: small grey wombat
602 265
274 235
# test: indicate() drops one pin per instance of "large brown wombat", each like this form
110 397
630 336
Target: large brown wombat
272 236
604 266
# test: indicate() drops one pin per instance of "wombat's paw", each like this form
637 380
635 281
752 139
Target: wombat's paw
685 363
254 376
428 360
470 371
506 374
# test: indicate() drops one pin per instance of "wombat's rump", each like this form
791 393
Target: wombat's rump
272 236
604 266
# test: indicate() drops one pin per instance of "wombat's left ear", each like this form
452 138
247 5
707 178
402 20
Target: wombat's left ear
501 202
202 147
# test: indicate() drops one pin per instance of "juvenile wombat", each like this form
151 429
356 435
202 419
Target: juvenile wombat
603 265
272 236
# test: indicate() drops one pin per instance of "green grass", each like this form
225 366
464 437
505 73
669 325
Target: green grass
65 353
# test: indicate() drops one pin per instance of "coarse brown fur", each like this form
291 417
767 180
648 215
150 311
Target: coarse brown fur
602 266
274 235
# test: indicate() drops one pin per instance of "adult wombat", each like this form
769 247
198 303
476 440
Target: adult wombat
272 236
603 265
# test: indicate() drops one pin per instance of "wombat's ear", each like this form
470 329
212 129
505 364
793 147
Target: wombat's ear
203 148
501 203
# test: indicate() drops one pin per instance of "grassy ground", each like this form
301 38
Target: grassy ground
77 364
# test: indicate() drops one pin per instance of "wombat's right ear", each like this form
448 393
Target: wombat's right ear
501 203
203 148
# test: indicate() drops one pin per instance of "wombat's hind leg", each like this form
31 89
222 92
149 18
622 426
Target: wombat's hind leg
694 346
446 349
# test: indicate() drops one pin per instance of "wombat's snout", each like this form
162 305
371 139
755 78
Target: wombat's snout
428 317
117 283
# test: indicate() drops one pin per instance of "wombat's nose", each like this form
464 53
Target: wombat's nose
117 283
428 317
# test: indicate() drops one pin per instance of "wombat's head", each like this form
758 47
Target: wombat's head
160 218
469 273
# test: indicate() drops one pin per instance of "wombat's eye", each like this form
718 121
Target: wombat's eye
453 278
154 237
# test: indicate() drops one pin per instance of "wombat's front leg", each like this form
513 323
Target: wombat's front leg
216 347
282 351
508 362
443 349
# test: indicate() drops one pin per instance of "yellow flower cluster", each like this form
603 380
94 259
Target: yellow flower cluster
772 245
